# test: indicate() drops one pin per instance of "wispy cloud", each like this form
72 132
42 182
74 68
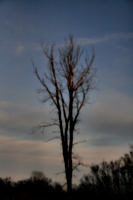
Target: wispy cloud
20 49
86 41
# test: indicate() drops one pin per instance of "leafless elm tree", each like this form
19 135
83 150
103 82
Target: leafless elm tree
67 85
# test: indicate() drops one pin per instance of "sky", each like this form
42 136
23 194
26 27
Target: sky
106 122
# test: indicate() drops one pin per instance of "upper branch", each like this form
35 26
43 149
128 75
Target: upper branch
85 72
52 96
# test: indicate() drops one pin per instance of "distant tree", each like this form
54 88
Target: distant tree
66 85
37 175
38 186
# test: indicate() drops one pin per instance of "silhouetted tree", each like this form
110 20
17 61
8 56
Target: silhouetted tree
66 85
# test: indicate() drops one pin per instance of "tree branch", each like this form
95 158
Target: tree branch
52 139
36 128
79 142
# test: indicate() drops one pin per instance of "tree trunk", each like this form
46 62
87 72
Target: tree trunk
70 170
69 189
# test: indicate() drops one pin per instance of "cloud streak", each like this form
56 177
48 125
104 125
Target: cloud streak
17 155
18 120
87 41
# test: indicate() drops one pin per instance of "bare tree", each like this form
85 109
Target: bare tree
67 84
37 175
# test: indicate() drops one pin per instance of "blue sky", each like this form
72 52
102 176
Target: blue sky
106 123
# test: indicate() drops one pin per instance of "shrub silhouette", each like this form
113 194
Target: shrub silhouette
112 180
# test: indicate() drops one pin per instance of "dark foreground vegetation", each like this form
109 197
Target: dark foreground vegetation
110 181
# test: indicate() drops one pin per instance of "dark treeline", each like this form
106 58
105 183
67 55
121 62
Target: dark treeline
112 181
37 187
